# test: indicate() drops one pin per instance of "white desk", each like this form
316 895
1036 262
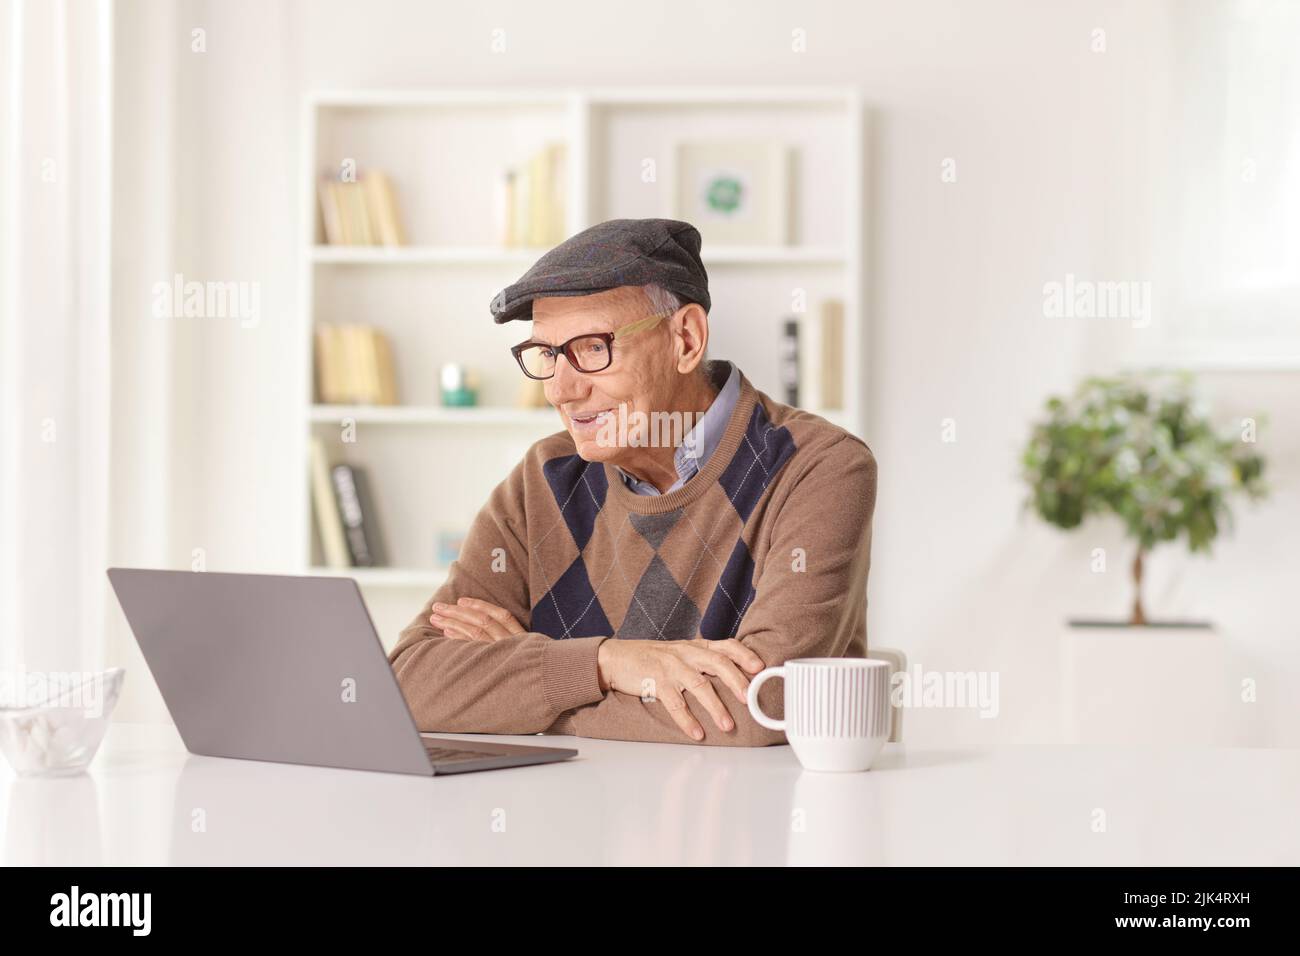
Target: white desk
623 803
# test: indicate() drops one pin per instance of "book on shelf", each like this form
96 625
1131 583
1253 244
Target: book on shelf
381 201
356 214
361 212
347 522
331 213
532 198
354 366
356 508
329 525
788 354
821 357
832 354
531 394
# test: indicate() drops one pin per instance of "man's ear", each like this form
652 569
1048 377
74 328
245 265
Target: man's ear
691 329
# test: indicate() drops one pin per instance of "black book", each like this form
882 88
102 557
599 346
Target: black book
360 520
790 361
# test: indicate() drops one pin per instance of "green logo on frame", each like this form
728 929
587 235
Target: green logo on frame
723 194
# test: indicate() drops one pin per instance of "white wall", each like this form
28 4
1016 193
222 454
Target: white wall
1055 174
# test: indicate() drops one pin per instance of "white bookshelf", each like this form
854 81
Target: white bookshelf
431 467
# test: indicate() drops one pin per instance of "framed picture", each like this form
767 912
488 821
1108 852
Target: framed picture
735 193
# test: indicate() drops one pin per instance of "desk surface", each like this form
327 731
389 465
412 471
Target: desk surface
146 801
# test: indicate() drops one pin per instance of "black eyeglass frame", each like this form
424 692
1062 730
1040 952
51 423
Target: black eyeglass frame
609 338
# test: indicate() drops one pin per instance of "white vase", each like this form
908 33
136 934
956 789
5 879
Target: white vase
1152 686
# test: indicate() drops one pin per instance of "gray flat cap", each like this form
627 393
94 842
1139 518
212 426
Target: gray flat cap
614 253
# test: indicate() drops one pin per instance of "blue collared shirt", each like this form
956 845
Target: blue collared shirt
700 442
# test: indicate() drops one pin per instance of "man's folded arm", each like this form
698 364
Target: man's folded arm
515 685
809 598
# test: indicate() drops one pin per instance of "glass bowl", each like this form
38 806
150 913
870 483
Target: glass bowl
53 724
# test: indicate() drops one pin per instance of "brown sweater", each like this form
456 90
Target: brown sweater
769 543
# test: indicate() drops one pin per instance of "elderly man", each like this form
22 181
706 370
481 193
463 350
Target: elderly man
624 584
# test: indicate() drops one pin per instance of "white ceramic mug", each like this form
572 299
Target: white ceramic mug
837 711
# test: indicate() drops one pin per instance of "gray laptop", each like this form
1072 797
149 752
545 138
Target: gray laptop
290 669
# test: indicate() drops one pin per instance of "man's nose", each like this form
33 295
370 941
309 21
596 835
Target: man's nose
567 384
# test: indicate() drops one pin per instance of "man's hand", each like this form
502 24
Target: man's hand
470 619
667 670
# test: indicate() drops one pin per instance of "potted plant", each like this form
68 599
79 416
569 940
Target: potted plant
1143 449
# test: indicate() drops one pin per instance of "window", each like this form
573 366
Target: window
1228 181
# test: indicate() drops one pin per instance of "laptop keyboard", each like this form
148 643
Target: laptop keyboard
448 755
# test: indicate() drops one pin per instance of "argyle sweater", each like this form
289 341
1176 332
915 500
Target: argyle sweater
769 543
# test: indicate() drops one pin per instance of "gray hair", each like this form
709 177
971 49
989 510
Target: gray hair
664 302
661 300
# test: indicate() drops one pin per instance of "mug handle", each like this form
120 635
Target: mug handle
754 710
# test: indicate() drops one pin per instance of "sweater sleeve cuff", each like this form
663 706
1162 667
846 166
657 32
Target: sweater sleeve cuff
570 673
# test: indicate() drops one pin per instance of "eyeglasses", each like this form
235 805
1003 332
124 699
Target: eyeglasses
590 352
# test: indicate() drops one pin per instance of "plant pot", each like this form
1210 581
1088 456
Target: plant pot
1152 685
